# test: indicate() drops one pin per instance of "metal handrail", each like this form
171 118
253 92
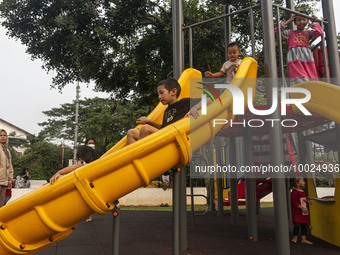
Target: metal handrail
296 12
220 17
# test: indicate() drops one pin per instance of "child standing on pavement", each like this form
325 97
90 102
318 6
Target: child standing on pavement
300 212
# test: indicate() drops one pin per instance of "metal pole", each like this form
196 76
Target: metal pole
331 38
210 149
252 32
115 229
76 124
290 5
233 184
177 22
190 49
183 210
192 202
280 42
219 179
250 186
227 29
324 54
289 208
175 211
275 133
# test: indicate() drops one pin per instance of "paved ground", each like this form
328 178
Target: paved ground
147 232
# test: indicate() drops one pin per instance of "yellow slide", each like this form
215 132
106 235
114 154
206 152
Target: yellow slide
48 214
324 213
324 100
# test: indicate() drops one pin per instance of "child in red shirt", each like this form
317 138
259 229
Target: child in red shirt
300 213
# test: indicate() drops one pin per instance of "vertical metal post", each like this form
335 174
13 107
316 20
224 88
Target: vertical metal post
324 54
76 123
233 184
331 38
280 42
192 202
219 178
275 133
183 210
250 186
177 22
190 48
289 208
175 211
210 149
290 5
227 29
252 32
115 229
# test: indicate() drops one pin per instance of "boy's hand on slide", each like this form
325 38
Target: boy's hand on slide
142 120
193 111
208 74
54 178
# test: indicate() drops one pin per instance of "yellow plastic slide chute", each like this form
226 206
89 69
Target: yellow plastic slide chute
324 100
48 214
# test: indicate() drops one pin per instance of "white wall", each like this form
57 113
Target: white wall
139 197
157 196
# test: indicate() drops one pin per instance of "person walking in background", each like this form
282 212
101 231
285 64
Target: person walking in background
6 168
23 180
91 143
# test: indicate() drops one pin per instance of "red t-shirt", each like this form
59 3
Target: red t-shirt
299 198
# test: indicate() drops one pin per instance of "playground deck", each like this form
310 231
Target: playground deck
150 232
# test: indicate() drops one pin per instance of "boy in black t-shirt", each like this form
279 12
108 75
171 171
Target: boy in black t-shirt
168 92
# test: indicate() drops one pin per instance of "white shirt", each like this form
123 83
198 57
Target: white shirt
230 68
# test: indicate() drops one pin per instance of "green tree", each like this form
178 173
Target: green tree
124 46
43 159
106 120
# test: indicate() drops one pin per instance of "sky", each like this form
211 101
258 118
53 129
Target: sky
25 87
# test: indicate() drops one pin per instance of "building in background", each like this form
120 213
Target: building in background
17 136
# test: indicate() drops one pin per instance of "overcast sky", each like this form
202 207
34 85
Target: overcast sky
25 90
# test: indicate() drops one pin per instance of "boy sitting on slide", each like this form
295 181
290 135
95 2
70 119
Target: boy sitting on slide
168 92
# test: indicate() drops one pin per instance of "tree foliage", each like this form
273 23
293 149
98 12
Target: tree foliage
43 159
124 46
106 120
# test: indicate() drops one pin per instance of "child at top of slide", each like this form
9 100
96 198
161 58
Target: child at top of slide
300 60
231 66
168 92
299 209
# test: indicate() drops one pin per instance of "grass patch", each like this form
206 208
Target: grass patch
198 208
159 208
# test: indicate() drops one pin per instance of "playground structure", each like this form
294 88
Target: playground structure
323 103
33 222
